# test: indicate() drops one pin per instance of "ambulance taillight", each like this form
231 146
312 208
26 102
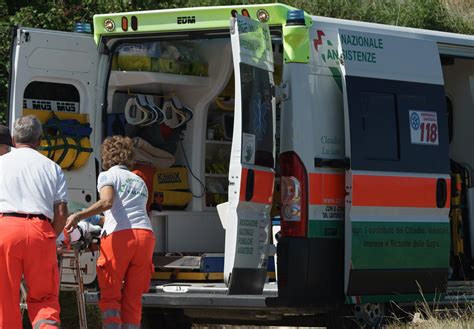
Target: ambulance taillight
294 196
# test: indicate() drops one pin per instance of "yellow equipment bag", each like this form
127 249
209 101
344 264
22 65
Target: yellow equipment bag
171 198
68 155
73 157
133 57
171 189
66 138
47 147
64 154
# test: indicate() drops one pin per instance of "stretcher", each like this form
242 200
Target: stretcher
68 257
69 246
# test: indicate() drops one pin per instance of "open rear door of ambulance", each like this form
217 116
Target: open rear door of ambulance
397 235
246 216
58 71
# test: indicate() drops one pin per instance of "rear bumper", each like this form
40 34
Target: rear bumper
211 302
196 295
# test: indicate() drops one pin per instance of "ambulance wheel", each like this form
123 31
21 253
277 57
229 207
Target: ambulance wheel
369 315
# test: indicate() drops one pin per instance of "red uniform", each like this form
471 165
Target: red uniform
124 271
125 265
30 186
28 247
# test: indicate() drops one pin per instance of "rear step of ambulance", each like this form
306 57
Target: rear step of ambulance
197 281
198 295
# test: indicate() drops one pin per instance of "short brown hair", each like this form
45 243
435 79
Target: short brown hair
117 150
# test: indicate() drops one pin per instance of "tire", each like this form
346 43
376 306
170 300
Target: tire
367 316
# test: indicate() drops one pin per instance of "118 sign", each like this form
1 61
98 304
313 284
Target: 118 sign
429 132
423 127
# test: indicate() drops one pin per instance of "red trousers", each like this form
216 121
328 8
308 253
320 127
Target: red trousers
28 248
124 271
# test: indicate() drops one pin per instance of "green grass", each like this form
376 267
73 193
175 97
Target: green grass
69 314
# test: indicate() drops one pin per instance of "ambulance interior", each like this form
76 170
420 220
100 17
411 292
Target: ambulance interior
459 87
191 83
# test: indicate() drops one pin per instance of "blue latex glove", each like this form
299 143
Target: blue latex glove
94 220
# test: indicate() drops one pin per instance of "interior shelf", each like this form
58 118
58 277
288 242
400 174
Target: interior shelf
136 78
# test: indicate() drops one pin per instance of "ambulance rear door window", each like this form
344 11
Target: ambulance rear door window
257 116
51 96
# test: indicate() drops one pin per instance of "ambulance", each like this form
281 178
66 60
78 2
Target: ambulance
314 164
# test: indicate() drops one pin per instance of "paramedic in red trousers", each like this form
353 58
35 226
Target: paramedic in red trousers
5 140
125 265
33 210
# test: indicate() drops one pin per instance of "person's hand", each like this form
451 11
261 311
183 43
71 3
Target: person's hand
71 222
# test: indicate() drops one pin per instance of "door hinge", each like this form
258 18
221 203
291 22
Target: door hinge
23 37
282 92
332 163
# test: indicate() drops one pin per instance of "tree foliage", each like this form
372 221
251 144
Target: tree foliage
62 14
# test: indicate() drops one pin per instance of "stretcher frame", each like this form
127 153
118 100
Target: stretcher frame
72 254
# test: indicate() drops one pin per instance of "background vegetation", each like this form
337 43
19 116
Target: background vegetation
443 15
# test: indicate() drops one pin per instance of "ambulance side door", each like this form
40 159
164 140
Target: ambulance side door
397 233
252 164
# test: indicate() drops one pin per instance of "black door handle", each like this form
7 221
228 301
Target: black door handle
441 192
250 185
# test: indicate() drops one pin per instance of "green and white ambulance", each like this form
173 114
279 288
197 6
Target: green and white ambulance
359 133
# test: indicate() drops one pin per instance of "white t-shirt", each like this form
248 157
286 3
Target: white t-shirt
30 183
131 195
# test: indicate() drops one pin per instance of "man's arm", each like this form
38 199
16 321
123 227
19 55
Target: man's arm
60 216
60 202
